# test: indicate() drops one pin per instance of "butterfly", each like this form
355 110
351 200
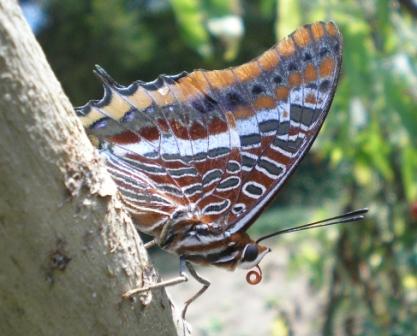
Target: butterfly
198 156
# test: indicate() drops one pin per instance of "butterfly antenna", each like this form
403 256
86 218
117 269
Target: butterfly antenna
349 217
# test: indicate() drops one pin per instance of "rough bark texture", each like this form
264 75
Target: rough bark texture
67 248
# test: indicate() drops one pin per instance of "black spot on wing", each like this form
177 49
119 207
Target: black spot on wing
271 167
324 86
257 89
234 99
292 66
283 128
278 79
324 51
307 57
205 105
253 189
212 176
250 139
218 152
291 146
268 125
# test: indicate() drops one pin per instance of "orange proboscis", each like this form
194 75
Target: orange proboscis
254 277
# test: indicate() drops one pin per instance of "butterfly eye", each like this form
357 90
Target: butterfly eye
250 253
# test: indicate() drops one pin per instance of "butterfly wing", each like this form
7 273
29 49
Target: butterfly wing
166 144
217 144
304 81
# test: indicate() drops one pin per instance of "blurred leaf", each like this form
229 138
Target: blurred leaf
336 155
190 18
410 281
215 326
363 174
288 18
377 150
409 172
279 218
225 23
267 8
309 252
218 8
383 34
280 328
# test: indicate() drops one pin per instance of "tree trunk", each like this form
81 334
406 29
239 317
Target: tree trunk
67 248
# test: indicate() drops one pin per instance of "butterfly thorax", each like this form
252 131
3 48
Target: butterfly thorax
208 244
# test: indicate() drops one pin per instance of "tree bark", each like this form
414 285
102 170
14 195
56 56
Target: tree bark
68 250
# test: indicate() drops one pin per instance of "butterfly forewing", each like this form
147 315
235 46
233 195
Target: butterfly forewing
218 144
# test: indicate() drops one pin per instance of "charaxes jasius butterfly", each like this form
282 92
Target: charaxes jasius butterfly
198 156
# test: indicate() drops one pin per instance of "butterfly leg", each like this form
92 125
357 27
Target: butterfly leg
181 278
163 237
150 244
201 280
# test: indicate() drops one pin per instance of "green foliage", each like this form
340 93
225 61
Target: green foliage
80 34
190 18
289 16
366 154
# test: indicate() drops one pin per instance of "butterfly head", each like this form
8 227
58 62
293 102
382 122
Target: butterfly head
244 253
252 254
